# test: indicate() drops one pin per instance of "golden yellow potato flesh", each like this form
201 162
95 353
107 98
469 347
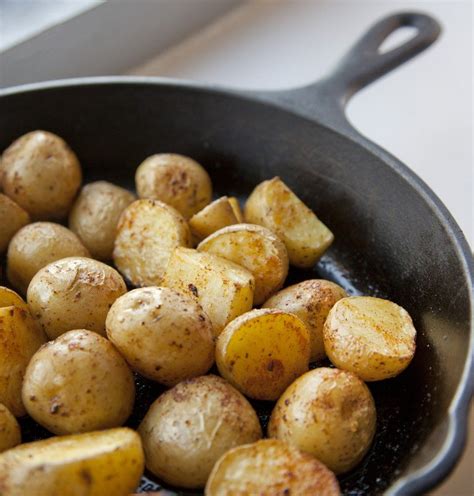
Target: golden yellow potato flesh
262 352
10 434
234 203
328 413
12 219
372 337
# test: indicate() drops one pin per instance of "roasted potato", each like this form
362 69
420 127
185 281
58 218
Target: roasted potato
189 427
10 434
218 214
372 337
163 334
74 293
148 231
37 245
223 288
234 203
328 413
95 215
272 204
257 249
78 383
268 468
175 180
262 352
311 301
94 464
20 337
42 174
12 218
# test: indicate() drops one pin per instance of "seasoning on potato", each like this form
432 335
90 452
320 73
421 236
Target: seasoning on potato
372 337
188 428
37 245
100 463
273 205
223 288
176 180
20 337
262 352
42 174
12 218
311 301
270 467
74 293
257 249
10 434
95 214
328 413
147 233
78 383
164 335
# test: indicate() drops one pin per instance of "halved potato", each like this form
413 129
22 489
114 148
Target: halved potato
272 204
257 249
223 288
99 463
10 434
12 218
311 301
262 352
372 337
147 233
268 468
234 203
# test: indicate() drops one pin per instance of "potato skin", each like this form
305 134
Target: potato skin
164 335
268 468
42 174
310 301
176 180
10 434
257 249
74 293
37 245
328 413
94 464
372 337
12 218
189 427
262 352
78 383
95 215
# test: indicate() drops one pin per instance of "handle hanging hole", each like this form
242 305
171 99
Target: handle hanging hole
397 38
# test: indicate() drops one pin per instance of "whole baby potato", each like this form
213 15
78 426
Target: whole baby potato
12 218
10 434
311 301
176 180
95 215
188 428
78 383
74 293
328 413
164 335
42 174
37 245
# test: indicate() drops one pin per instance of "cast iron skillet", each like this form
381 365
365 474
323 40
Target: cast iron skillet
393 236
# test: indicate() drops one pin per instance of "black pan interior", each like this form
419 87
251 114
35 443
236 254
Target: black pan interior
388 240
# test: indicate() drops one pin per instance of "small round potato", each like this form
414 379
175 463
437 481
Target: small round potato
78 383
372 337
164 335
329 414
95 215
270 467
12 218
258 250
176 180
42 174
262 352
74 293
311 301
10 434
37 245
147 234
188 428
